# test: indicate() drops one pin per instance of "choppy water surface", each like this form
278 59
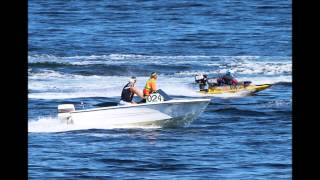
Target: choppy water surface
84 51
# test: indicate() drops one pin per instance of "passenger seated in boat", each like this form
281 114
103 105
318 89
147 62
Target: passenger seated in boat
150 87
128 91
227 79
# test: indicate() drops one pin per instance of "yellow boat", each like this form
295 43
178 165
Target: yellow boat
234 89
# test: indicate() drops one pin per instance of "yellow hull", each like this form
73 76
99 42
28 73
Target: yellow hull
235 89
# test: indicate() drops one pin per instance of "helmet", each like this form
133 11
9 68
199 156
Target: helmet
228 73
133 79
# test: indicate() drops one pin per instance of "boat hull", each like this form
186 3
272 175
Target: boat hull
165 114
235 89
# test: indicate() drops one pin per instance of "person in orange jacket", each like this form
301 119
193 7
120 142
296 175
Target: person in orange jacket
151 85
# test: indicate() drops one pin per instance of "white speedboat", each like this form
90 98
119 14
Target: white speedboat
171 113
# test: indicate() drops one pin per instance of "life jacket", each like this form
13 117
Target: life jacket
234 82
149 87
126 94
229 80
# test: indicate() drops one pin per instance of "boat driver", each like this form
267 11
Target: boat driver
227 79
128 91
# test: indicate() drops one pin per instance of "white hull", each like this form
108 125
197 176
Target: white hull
168 113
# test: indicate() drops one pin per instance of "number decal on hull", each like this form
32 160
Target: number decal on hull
154 97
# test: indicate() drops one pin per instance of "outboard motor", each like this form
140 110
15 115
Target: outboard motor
202 81
198 78
64 111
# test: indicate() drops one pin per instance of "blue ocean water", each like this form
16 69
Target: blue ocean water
83 52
